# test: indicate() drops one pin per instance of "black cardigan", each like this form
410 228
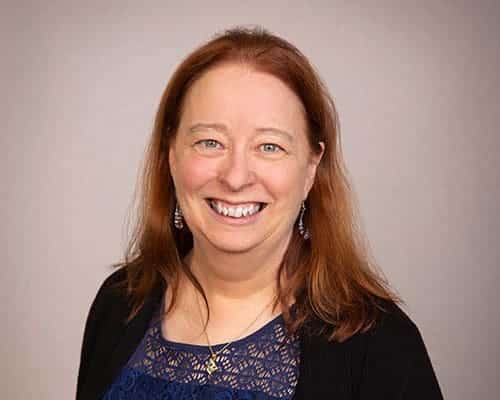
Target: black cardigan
388 362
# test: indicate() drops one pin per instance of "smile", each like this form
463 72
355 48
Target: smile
235 210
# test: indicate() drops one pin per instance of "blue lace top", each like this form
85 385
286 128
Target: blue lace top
261 366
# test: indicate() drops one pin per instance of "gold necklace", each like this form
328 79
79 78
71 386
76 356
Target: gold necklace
211 366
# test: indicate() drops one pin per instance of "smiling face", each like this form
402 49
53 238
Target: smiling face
240 161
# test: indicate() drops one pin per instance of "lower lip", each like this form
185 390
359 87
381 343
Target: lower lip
235 221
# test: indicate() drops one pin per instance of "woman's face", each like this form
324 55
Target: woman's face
240 162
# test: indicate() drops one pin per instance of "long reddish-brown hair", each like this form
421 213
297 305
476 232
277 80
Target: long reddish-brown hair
331 276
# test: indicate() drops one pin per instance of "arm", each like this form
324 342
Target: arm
89 339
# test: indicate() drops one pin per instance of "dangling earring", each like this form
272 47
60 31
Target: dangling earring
178 217
302 229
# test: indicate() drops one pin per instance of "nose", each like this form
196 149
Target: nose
236 172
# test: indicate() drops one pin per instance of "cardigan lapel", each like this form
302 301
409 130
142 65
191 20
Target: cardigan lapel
324 371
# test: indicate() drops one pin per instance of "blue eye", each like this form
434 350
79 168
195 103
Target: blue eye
271 148
209 143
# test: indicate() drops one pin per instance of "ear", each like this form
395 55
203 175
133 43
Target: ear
312 166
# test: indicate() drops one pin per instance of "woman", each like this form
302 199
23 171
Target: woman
245 278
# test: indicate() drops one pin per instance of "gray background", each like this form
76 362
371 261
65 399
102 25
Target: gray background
417 87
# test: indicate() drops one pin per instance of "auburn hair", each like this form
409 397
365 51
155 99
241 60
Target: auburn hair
331 276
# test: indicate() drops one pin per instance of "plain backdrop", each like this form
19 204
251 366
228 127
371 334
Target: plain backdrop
417 87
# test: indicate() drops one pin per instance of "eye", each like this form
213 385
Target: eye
209 144
271 148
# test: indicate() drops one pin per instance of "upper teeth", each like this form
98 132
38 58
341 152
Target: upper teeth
236 211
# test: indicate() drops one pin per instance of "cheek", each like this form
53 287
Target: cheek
285 183
193 173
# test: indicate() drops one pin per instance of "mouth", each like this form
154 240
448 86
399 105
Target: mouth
236 211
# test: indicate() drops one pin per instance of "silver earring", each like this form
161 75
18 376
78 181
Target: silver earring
302 229
178 217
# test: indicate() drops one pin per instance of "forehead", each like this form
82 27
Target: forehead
237 95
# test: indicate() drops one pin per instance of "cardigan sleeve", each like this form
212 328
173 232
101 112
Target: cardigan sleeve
397 365
95 317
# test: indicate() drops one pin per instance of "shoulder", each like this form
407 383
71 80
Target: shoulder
388 361
393 336
109 304
109 309
394 330
114 286
390 344
111 333
101 327
110 286
111 293
391 359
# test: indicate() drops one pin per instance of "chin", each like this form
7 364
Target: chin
233 243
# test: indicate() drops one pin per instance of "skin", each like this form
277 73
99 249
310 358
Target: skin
236 160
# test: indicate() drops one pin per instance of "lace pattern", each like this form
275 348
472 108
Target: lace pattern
261 366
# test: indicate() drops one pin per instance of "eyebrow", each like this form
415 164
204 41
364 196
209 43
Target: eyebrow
223 128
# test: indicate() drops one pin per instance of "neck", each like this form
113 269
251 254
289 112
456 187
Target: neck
236 276
238 287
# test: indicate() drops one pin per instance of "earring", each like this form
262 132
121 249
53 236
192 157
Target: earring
178 217
302 229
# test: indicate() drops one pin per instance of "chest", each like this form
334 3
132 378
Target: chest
263 365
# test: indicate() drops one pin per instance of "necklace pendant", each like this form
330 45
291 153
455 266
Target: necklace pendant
212 365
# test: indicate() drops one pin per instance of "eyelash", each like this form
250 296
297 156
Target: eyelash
275 145
205 141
